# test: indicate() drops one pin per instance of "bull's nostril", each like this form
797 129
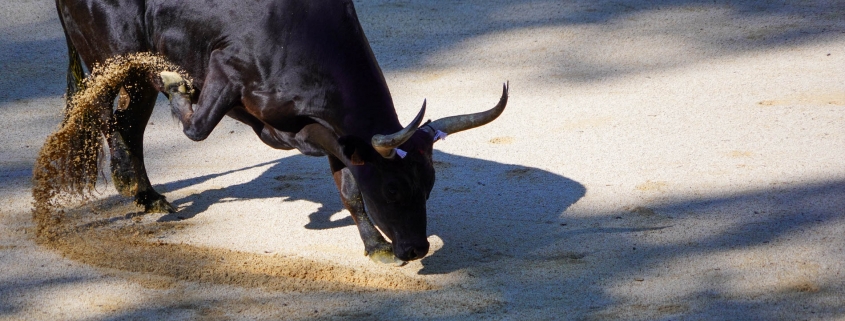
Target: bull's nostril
412 252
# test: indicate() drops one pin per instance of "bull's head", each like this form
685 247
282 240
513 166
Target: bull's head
395 175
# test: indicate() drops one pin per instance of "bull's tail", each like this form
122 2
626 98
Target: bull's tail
75 74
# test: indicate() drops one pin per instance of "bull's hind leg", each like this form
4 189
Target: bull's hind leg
126 145
375 246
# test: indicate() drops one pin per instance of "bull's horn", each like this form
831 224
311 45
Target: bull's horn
386 144
454 124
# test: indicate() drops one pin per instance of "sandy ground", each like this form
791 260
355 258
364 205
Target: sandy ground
672 160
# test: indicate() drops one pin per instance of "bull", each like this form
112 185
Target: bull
301 73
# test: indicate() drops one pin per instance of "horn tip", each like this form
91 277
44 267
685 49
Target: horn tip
422 109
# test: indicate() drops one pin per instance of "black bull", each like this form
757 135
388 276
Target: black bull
299 72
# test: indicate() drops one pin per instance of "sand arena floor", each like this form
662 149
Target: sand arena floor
662 160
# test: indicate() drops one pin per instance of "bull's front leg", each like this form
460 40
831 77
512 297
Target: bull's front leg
375 246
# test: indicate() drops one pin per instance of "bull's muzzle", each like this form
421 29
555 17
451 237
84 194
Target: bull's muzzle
409 251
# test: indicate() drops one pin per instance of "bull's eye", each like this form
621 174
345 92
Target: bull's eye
391 193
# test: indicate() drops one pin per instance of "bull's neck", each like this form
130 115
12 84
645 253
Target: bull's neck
367 108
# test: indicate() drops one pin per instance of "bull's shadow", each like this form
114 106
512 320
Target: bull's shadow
294 178
484 210
479 208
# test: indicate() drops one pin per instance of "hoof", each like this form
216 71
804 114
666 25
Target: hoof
159 206
173 82
384 255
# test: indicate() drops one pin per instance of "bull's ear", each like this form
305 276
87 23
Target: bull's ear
357 150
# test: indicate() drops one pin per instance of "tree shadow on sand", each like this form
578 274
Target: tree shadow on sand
412 46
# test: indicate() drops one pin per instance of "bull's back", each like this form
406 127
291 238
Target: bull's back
184 31
264 39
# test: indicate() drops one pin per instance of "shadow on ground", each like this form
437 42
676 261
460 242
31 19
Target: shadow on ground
293 178
523 248
32 68
428 29
408 35
718 257
528 194
510 240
